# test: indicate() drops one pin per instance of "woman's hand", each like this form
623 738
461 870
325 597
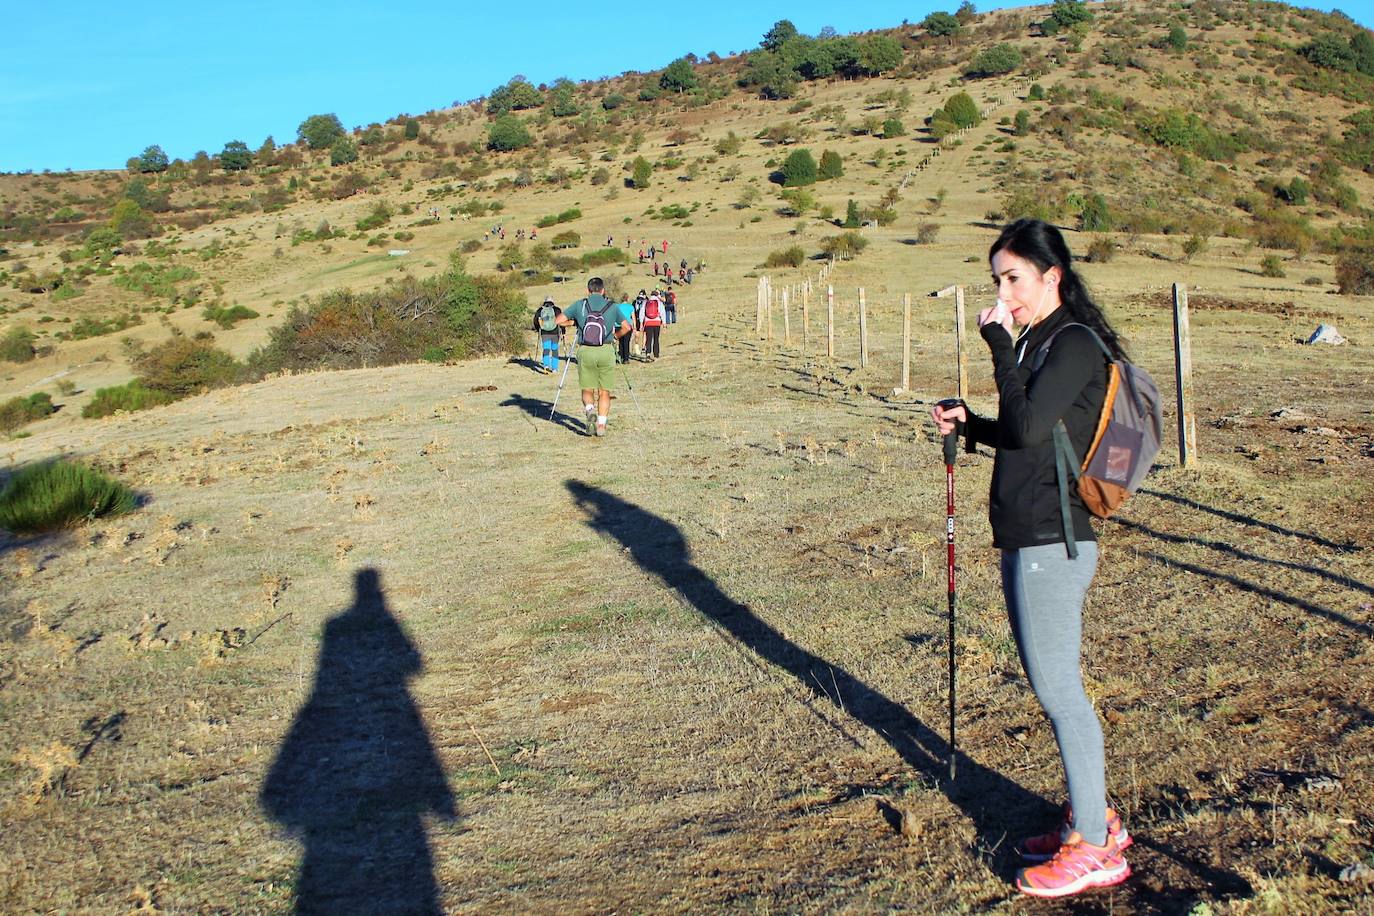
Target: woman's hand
946 414
998 314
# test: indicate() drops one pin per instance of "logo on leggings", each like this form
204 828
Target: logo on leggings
1035 567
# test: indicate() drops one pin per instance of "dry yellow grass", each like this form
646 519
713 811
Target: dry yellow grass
697 665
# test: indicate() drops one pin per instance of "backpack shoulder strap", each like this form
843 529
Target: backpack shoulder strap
1065 463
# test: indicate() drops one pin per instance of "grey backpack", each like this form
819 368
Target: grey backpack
1124 444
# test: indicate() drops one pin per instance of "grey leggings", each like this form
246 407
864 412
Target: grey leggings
1044 590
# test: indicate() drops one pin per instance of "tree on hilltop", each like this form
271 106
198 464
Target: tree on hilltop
941 25
679 76
320 131
235 157
152 159
782 31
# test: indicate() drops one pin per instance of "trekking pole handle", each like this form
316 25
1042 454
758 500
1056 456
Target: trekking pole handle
951 438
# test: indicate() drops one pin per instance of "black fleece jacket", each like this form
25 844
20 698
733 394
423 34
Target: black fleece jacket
1070 385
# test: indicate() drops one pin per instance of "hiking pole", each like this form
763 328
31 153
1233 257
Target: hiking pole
625 372
951 444
566 365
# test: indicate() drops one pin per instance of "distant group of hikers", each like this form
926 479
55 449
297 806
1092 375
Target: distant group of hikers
607 334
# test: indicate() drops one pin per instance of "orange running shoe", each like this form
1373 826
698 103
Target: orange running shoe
1043 847
1077 866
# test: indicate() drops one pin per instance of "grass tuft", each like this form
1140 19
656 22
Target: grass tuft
57 494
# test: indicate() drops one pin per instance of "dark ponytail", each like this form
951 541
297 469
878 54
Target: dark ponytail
1042 245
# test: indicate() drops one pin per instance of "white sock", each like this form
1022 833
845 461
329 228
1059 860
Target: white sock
600 420
589 408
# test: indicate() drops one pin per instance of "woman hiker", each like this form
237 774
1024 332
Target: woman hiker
1044 589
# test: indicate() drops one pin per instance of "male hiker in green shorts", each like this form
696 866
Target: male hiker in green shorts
599 322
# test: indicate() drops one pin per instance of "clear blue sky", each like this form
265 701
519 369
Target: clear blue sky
86 85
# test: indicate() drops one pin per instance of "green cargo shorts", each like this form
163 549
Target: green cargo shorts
596 367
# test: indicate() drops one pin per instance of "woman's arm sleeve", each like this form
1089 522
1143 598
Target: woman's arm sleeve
1027 414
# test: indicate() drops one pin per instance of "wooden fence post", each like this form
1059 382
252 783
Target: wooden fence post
863 330
1183 379
959 340
786 319
906 341
830 322
806 316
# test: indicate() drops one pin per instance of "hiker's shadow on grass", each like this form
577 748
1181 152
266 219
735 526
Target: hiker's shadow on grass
1237 517
539 410
357 774
998 806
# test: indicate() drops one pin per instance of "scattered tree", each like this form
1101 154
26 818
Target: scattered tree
152 159
832 166
507 133
412 129
641 173
782 31
235 157
679 76
799 169
343 151
320 131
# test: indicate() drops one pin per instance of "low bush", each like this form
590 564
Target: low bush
566 216
926 233
84 328
58 494
568 239
1355 272
462 314
787 257
130 397
604 256
15 412
1271 265
228 317
844 246
17 345
154 279
1101 250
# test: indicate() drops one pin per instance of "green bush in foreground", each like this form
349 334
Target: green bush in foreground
57 494
17 345
15 412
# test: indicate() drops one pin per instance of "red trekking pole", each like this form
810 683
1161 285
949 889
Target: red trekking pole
951 444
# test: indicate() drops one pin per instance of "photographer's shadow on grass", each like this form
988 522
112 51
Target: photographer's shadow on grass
356 773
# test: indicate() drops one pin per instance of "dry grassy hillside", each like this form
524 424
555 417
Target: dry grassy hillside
390 636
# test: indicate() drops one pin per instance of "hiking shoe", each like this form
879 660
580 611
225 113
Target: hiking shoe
1043 847
601 429
1077 866
591 423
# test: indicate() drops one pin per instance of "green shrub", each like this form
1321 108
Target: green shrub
181 366
604 256
154 279
17 345
893 129
844 246
641 173
1271 265
1096 216
566 216
851 215
926 233
130 396
507 133
58 494
377 217
799 169
1022 123
15 412
832 166
787 257
961 110
995 61
227 317
84 328
343 151
672 211
1036 93
463 314
1194 245
1355 272
568 239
